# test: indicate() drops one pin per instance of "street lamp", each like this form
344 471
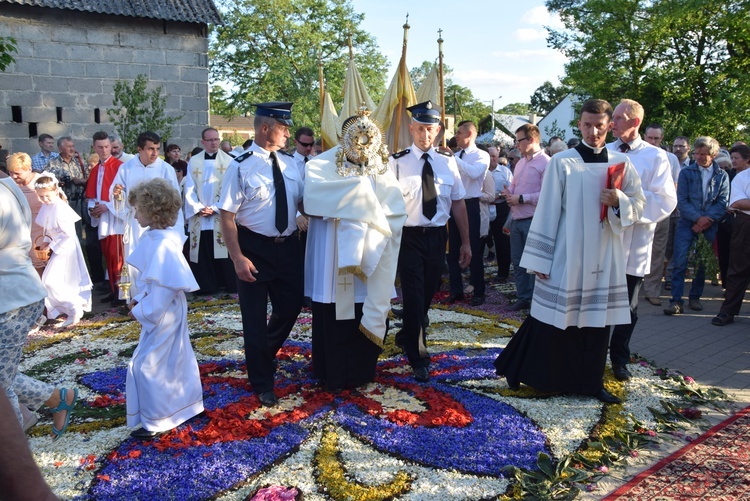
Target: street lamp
492 111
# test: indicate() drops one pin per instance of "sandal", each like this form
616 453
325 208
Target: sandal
64 406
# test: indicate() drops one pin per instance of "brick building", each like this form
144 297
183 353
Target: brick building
71 52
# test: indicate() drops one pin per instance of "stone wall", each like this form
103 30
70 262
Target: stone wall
67 64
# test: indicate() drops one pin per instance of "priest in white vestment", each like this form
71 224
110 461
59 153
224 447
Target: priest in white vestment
209 258
163 387
145 166
357 214
580 265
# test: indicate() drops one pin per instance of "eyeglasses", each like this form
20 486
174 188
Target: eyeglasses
212 140
519 141
306 145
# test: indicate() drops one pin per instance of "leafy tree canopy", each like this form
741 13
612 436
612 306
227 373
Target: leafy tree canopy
685 61
269 51
515 109
547 96
7 46
136 110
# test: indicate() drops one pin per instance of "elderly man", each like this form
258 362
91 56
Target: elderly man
46 153
432 188
261 193
473 164
118 151
579 262
69 170
702 197
655 173
523 196
209 259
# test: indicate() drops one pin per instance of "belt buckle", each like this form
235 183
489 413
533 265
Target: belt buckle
278 240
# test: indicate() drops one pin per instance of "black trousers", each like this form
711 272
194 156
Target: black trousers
476 267
502 241
619 345
738 274
420 264
279 278
342 355
94 256
211 273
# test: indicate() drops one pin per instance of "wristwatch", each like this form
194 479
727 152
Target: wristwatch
520 199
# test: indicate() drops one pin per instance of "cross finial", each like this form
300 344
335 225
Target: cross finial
406 24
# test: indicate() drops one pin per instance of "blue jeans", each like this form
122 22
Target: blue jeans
683 239
519 230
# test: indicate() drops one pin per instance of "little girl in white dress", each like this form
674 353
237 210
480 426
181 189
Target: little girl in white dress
66 277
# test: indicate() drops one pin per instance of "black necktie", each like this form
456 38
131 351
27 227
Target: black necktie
461 155
624 147
429 194
210 156
306 159
282 211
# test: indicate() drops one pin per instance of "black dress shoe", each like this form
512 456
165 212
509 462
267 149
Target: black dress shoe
606 397
621 372
452 298
144 434
108 298
268 398
421 374
398 313
477 301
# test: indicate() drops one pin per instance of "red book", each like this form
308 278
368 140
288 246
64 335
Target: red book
615 173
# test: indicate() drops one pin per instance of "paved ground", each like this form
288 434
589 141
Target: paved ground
716 356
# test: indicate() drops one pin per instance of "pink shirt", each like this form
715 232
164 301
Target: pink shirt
527 181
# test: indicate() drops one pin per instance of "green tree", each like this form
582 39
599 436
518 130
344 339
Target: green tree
547 96
7 46
137 110
269 51
460 101
685 61
515 109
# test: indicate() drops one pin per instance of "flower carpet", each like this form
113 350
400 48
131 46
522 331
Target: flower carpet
464 435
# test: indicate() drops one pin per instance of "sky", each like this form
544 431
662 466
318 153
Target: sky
496 48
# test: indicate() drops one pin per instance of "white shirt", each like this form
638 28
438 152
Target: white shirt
740 188
502 177
473 167
408 171
248 191
300 159
655 173
706 173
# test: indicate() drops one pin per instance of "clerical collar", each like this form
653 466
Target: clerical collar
595 150
210 156
590 154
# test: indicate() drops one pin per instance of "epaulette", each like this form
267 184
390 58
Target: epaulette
286 153
243 157
401 153
446 153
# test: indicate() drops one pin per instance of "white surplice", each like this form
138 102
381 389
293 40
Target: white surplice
583 257
655 172
163 386
365 239
65 277
131 174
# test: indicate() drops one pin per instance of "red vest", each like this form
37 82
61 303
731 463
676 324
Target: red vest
111 166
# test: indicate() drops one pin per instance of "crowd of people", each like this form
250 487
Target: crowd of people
332 230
